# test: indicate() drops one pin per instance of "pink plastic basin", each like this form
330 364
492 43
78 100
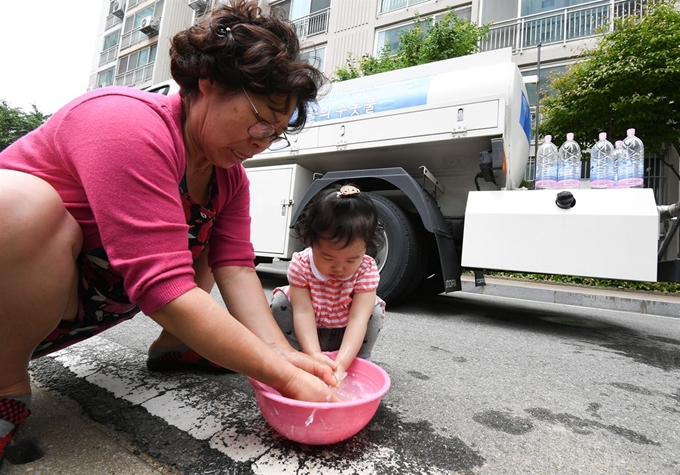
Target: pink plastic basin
320 423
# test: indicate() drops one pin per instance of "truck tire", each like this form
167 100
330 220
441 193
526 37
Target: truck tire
403 258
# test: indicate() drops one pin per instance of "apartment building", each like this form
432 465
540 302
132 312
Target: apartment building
134 37
133 32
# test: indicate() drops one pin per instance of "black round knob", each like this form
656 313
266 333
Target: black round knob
565 200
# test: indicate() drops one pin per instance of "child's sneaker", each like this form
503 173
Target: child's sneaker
180 358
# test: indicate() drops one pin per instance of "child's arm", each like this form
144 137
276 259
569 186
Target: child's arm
359 313
304 323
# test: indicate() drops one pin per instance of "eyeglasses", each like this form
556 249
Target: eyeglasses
264 130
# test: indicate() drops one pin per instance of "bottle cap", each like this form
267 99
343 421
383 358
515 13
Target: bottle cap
548 138
619 143
631 131
603 135
570 136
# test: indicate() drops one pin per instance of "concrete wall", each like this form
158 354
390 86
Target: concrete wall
177 16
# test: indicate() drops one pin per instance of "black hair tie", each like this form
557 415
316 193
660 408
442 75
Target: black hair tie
222 31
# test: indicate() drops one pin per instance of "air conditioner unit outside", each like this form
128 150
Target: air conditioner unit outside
198 5
149 26
117 8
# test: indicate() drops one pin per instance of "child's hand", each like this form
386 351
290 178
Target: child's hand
323 359
339 377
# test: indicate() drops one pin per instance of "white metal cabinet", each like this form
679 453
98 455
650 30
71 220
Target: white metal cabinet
608 234
274 193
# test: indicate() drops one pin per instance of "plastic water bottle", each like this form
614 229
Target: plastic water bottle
546 164
602 163
622 169
635 152
569 166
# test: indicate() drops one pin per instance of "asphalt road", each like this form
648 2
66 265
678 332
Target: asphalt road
480 385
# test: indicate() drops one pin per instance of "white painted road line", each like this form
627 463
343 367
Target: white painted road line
229 420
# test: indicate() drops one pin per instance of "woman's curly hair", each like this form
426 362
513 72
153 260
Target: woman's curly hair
235 45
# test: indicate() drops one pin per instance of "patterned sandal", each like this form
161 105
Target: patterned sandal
14 412
186 360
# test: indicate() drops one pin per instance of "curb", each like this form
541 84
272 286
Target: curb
664 305
644 303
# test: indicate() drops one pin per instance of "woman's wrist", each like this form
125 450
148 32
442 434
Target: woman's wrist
280 371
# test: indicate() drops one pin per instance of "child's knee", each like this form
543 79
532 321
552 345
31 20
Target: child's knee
375 322
280 304
282 311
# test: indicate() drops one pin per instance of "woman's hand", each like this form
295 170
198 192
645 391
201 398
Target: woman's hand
324 360
321 368
307 387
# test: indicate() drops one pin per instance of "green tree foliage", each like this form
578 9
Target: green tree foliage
15 123
630 79
426 42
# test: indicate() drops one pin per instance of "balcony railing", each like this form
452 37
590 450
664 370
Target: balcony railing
134 3
112 20
560 26
132 38
108 56
392 5
314 24
135 77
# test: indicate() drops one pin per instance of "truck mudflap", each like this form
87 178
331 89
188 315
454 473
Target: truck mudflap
669 270
433 221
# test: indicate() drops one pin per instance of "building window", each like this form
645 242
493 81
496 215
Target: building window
111 41
464 13
283 8
318 5
134 3
105 78
529 7
295 10
131 33
112 20
134 22
117 9
390 37
547 73
308 17
110 48
315 56
136 68
392 5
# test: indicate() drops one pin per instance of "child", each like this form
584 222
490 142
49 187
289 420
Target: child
331 302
